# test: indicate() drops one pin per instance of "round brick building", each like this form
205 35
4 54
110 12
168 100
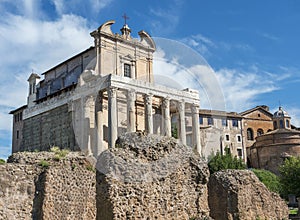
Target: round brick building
272 148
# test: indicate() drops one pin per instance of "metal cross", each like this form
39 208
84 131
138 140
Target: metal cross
125 18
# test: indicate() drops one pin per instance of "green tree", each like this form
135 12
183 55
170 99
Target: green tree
174 131
223 162
268 178
290 176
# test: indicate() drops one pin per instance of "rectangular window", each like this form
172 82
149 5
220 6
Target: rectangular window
240 152
239 139
17 134
200 120
227 137
127 70
224 122
210 121
235 123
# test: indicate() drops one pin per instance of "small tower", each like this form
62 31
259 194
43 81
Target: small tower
281 119
33 81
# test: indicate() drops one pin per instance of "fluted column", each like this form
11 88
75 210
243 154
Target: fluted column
112 116
195 124
182 131
166 128
131 120
99 110
148 114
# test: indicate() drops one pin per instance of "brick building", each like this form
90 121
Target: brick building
272 148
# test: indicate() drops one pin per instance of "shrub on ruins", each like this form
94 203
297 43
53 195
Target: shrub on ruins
269 179
290 176
44 163
59 153
224 162
2 161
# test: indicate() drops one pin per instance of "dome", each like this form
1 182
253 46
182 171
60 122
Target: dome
281 113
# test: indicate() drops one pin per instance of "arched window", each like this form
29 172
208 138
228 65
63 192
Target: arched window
275 125
281 124
260 132
287 123
250 134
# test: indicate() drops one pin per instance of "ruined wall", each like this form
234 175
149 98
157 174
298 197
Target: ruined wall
238 194
151 177
17 191
63 189
144 177
51 128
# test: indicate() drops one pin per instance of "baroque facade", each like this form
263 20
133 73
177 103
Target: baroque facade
88 100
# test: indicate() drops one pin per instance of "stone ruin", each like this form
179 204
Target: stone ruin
238 194
143 177
151 177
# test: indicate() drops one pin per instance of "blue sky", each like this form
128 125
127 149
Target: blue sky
252 46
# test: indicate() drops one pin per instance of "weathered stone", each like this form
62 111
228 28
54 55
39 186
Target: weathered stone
238 194
60 189
143 177
151 177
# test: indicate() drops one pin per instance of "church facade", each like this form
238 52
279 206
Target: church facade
86 101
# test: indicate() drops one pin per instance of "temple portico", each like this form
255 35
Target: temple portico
139 101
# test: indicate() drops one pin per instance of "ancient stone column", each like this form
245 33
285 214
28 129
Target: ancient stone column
148 114
182 132
112 116
131 97
196 132
99 110
88 123
166 128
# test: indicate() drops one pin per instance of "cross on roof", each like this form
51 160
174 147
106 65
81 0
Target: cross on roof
125 18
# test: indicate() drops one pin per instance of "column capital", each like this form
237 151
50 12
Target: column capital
181 105
112 91
148 99
131 94
166 102
195 108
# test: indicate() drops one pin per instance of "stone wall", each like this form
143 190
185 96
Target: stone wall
18 190
52 128
60 189
151 177
144 177
238 194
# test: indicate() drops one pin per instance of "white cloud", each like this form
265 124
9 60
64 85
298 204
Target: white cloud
241 89
36 45
200 43
224 89
171 71
80 7
269 36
